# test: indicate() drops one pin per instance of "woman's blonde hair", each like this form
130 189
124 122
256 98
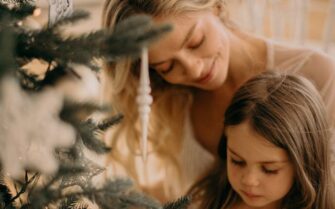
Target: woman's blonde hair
171 102
288 111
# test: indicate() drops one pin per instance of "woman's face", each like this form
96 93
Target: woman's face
195 53
261 173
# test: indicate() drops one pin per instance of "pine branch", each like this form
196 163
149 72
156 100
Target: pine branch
181 203
63 171
31 81
48 44
73 114
109 122
140 200
45 196
28 81
131 35
19 11
117 195
41 44
83 49
5 196
87 132
71 203
33 185
7 43
20 46
23 189
71 19
128 39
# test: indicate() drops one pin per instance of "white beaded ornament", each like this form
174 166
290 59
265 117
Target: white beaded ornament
144 100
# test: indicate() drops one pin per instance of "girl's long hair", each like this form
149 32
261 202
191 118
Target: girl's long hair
288 111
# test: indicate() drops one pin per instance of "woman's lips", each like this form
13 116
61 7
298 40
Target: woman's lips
208 76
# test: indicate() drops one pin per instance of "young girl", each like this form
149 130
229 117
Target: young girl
195 70
275 149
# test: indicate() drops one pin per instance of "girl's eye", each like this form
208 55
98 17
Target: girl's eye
197 44
269 171
237 162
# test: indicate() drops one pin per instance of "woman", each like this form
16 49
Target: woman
195 70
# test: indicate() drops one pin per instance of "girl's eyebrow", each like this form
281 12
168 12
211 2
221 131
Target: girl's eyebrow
230 150
260 162
187 37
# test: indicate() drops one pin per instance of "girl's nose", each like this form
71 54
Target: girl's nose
250 178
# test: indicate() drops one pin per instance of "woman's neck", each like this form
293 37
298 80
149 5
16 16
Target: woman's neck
247 58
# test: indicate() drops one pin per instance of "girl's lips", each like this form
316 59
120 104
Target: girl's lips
208 75
250 195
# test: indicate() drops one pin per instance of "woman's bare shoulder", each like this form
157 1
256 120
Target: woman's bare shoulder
303 56
311 63
320 68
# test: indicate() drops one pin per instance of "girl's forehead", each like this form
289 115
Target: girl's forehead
249 145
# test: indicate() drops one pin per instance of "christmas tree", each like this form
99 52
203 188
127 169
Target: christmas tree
43 132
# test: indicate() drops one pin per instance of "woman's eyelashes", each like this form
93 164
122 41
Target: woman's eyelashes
168 69
171 64
165 68
197 43
241 163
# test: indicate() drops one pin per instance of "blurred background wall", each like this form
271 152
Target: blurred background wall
302 22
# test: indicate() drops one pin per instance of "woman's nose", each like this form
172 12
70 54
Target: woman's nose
250 178
193 66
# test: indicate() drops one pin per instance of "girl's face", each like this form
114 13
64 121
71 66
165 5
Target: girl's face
261 173
195 53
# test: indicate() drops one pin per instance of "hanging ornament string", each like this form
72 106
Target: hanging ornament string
144 100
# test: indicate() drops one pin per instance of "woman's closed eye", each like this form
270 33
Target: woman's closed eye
168 69
164 68
197 43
